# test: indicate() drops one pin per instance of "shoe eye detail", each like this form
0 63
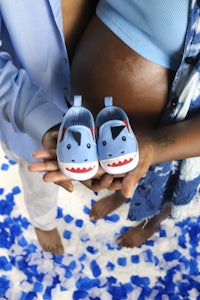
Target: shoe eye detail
104 143
123 138
88 146
68 146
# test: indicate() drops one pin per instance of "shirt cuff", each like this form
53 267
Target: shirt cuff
41 119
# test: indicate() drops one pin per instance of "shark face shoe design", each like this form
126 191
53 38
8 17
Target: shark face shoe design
116 143
76 146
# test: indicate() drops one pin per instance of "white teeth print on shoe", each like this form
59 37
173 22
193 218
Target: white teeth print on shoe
116 143
76 146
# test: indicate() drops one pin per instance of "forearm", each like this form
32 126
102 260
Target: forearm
22 102
177 141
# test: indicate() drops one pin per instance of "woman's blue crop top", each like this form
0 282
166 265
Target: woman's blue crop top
155 29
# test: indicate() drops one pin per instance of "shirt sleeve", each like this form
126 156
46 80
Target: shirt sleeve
23 103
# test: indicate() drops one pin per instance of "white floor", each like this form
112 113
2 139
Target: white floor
93 267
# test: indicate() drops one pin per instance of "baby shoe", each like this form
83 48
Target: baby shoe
76 146
116 143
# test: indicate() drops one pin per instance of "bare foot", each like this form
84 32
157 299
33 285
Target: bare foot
50 240
138 235
106 205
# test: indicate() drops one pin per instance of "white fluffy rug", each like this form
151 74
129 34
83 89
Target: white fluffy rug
93 266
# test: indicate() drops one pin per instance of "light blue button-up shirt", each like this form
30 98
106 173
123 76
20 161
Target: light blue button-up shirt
34 72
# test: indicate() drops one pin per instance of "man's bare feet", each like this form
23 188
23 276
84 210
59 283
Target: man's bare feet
50 240
138 235
106 205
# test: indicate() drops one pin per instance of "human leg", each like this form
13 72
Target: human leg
106 205
41 203
134 236
138 235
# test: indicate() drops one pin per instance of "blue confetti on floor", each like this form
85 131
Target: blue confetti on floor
93 266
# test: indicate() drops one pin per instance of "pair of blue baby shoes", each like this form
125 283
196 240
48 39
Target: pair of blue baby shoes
83 144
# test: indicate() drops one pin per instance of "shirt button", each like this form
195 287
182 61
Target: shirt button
191 60
174 103
143 186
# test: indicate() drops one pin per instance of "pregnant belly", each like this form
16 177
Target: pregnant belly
104 66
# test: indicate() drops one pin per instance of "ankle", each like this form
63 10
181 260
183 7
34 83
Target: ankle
155 221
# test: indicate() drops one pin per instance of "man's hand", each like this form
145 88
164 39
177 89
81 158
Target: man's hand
49 165
49 140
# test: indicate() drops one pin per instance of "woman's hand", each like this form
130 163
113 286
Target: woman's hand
127 182
147 154
103 180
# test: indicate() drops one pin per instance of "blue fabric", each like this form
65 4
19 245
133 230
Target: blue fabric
154 29
177 180
34 58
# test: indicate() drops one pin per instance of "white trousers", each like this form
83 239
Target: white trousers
40 197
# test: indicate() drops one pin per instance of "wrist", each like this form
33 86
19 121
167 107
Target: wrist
54 128
48 134
163 143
